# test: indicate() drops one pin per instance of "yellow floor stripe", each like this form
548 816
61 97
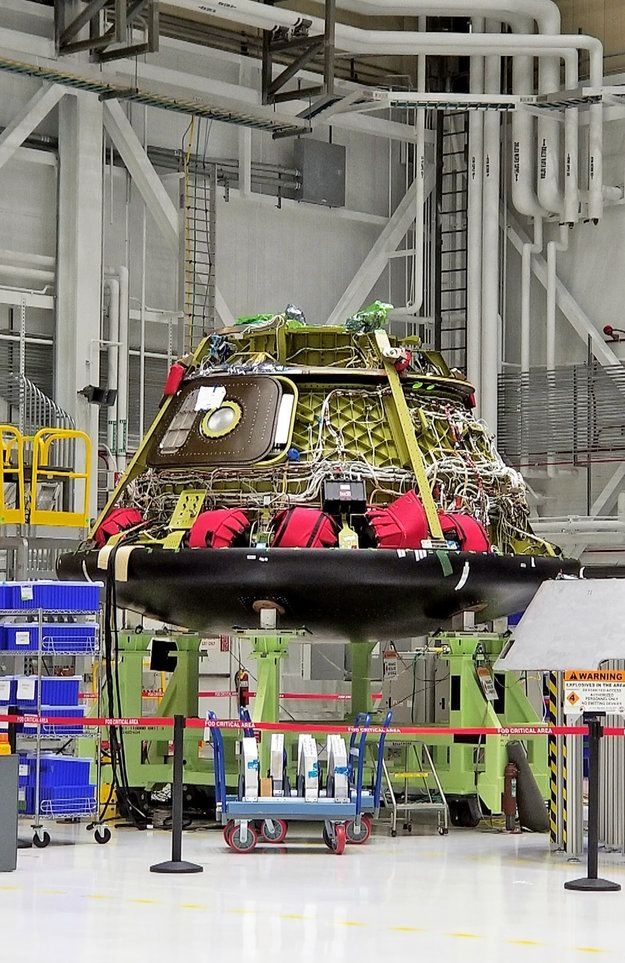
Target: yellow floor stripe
96 896
466 936
589 949
349 923
148 902
525 942
406 929
194 906
294 916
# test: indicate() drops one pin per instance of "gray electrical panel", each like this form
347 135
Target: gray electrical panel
322 167
8 812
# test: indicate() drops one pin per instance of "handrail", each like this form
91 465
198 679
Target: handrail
42 443
11 440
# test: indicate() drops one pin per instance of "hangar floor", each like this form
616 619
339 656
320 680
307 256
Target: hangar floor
472 896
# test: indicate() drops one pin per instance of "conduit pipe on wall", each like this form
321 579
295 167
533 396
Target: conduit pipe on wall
111 281
490 246
474 227
417 296
122 372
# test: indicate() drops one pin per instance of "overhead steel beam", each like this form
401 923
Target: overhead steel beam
142 173
569 307
377 258
29 117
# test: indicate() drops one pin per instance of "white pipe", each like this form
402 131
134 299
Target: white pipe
474 228
122 372
375 42
112 283
530 248
552 248
420 188
490 246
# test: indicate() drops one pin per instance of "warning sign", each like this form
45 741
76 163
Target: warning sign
594 690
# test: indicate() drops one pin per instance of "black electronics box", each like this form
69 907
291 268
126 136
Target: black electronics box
344 497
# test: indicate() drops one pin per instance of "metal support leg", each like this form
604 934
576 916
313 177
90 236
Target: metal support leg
361 672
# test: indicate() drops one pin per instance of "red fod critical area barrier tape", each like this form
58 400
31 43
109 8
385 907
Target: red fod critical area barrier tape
324 728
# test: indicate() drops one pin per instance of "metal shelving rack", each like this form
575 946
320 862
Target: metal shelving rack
79 807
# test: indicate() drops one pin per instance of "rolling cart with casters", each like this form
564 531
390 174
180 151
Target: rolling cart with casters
248 822
432 799
359 830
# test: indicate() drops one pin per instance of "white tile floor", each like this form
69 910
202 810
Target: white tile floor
471 896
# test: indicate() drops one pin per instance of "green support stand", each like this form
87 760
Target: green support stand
360 653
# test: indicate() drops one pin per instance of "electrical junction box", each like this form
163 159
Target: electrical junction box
322 168
344 496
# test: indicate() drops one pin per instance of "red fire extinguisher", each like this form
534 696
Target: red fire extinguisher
242 684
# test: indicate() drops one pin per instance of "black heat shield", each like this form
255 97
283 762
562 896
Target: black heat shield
353 595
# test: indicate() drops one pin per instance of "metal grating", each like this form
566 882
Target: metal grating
573 412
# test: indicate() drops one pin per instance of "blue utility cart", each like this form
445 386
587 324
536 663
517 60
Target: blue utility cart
246 822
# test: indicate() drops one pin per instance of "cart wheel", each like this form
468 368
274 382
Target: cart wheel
393 833
340 839
275 830
102 835
443 831
228 830
409 827
361 835
327 838
237 844
40 842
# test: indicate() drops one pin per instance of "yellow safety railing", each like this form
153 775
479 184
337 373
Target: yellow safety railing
43 443
12 476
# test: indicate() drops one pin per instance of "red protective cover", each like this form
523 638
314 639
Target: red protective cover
304 528
403 524
175 376
116 521
466 530
218 528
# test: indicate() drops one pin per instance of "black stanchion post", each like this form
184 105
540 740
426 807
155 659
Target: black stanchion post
12 729
177 864
591 882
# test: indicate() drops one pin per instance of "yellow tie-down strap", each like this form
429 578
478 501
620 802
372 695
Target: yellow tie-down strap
407 430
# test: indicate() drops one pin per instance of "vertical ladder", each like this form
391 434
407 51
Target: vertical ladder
451 237
200 216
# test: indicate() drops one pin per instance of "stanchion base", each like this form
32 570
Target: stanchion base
181 866
593 885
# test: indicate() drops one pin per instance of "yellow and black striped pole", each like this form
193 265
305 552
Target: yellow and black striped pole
552 713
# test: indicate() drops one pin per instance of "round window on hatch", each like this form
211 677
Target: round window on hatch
221 421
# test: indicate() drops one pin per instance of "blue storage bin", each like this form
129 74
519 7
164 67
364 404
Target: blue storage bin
6 595
70 637
56 770
55 691
21 638
27 769
67 637
56 596
64 729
